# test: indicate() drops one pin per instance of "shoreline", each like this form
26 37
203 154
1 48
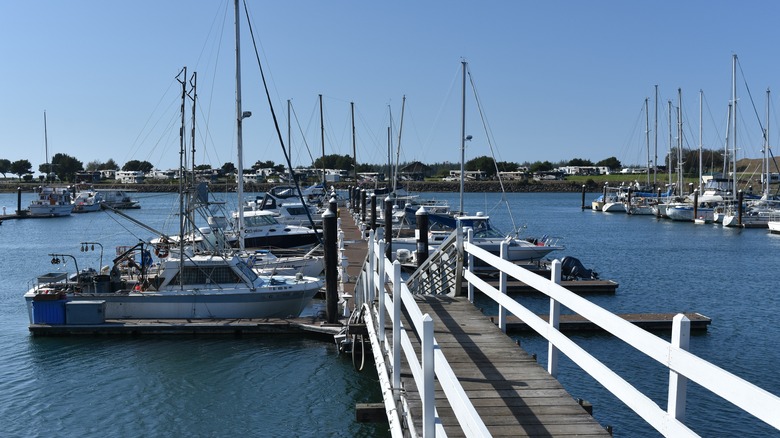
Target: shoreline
412 186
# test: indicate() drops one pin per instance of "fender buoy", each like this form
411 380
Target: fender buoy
161 251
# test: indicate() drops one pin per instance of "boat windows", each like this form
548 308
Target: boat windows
259 221
207 275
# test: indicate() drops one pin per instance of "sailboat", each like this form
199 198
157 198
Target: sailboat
485 234
50 201
184 282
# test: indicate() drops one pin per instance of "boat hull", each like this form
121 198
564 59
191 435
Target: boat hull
241 304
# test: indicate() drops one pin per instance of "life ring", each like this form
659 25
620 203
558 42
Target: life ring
161 251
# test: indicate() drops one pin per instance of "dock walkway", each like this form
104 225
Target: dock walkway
512 394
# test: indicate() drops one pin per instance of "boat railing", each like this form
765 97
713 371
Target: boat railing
381 282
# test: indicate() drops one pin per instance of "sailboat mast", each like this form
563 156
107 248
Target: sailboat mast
354 147
322 132
239 134
679 140
669 155
734 110
463 137
46 143
182 171
398 146
655 142
647 138
194 97
701 140
765 186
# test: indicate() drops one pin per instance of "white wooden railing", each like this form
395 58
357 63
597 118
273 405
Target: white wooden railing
379 272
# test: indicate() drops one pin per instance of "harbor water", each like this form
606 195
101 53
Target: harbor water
288 386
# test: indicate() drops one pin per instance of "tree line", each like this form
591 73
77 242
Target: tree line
64 167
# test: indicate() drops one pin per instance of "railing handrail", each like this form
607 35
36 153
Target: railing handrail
748 397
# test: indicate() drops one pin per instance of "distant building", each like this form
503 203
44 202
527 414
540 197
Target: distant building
130 176
415 171
88 177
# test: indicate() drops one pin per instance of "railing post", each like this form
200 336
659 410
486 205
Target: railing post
554 321
397 327
678 384
428 396
381 292
469 239
502 287
370 282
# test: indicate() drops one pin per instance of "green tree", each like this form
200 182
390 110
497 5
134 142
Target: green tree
483 163
580 162
228 168
341 162
5 166
93 165
612 163
109 165
66 166
135 165
21 167
541 166
203 167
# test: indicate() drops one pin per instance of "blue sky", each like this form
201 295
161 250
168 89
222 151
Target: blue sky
556 80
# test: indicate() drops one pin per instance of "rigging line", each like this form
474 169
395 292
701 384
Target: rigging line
300 130
755 110
492 151
276 125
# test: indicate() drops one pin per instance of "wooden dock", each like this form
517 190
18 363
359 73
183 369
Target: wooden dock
313 326
513 394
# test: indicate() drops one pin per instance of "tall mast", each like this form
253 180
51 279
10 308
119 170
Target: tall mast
194 97
354 154
647 138
398 146
766 150
182 171
734 110
322 132
239 134
655 141
701 140
46 144
463 136
669 155
679 140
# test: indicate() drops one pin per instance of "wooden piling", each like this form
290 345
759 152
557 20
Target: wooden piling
389 227
330 230
422 236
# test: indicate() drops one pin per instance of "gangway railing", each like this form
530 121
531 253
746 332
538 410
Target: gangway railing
380 283
381 292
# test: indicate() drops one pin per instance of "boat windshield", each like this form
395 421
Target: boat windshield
259 220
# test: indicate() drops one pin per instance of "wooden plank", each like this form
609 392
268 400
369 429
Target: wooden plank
512 393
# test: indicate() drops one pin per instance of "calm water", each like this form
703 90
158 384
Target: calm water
294 387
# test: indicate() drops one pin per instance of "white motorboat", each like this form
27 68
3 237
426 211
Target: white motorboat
263 231
87 201
118 199
197 286
51 202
